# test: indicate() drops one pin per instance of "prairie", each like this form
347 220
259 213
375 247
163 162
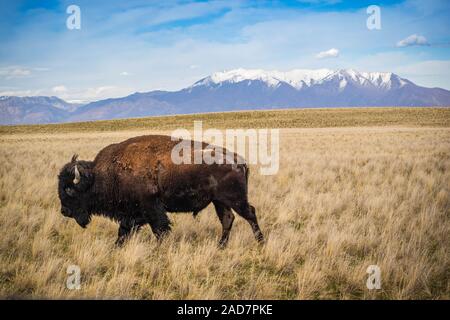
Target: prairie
355 187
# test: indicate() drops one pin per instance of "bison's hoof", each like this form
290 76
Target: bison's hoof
222 245
119 242
260 239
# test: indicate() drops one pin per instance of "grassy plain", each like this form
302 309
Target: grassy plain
356 187
288 118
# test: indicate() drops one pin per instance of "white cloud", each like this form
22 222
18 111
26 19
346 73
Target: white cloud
22 93
188 11
430 73
95 93
78 95
332 53
413 40
15 72
59 89
124 73
19 72
426 68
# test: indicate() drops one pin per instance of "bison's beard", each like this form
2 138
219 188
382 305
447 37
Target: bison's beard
83 219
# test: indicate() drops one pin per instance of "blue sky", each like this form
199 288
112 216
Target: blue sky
128 46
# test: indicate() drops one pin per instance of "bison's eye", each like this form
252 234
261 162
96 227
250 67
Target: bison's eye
70 191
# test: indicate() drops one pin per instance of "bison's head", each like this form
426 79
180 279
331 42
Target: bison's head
74 184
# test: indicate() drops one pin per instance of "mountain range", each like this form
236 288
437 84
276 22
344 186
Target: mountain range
238 89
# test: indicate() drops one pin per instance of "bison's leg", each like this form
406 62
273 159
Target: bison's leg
232 192
247 211
158 220
125 230
226 217
160 226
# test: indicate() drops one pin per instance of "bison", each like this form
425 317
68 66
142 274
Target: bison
135 182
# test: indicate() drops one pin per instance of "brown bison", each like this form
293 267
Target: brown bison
135 182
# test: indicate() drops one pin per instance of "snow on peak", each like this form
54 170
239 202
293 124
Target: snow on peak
298 78
239 75
378 78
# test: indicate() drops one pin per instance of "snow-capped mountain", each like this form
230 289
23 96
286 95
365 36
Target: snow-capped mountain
304 78
243 89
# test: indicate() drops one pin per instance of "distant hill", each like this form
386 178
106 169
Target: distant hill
238 89
34 110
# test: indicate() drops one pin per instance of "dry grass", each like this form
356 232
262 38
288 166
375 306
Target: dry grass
344 199
293 118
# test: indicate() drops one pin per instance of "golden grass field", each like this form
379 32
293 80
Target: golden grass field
356 187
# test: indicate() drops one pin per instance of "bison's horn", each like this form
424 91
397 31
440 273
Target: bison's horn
76 180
